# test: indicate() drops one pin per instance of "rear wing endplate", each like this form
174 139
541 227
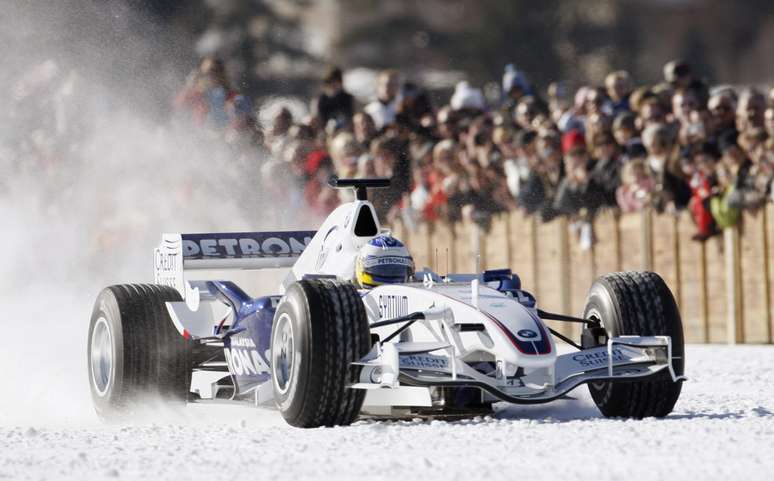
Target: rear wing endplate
235 250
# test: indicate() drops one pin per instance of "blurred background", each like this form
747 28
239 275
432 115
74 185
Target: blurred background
272 46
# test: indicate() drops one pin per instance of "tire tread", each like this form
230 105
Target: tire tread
644 306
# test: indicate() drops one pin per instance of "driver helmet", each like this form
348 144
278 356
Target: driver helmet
383 260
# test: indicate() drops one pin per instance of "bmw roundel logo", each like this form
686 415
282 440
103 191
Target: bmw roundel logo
527 333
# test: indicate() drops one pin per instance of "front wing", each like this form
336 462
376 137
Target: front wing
623 359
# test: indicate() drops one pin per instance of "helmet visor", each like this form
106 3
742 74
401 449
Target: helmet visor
387 269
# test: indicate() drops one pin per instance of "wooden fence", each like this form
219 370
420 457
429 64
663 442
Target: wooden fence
723 286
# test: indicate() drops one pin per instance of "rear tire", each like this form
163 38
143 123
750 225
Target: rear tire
637 303
320 328
134 352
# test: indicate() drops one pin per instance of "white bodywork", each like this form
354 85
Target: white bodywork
466 324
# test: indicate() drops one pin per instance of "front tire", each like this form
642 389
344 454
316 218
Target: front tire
637 303
320 328
134 352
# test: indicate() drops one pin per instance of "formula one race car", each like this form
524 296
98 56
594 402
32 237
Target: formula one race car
356 331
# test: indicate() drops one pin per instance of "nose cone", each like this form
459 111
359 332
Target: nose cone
521 327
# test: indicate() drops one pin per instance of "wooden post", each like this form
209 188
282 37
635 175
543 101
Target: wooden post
478 248
617 240
704 291
508 232
677 261
646 240
431 253
564 270
451 255
533 251
734 321
765 267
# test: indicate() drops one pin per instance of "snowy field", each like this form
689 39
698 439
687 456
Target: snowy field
722 428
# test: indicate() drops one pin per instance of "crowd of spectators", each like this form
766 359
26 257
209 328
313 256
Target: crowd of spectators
677 145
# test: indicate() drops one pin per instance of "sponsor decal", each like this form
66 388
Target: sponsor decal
245 362
597 358
371 261
245 245
168 264
392 306
527 334
423 361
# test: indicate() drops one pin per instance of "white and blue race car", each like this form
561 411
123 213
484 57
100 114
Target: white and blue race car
326 351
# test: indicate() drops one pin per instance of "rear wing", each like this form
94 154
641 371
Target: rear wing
235 250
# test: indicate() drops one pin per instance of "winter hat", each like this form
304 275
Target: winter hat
572 140
515 78
467 97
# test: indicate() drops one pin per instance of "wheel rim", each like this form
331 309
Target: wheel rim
594 315
101 356
283 354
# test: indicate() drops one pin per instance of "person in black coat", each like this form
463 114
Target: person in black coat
334 103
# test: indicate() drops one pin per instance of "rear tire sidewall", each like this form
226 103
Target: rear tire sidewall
107 308
294 307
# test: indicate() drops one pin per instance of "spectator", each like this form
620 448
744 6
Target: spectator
383 109
207 93
624 128
442 177
726 211
695 130
518 169
684 101
596 123
748 181
364 129
414 108
559 100
636 186
390 161
650 111
595 101
277 135
345 152
672 192
446 120
605 175
541 181
741 176
526 112
618 85
750 111
704 186
769 122
515 86
467 100
722 108
572 198
655 146
678 73
333 103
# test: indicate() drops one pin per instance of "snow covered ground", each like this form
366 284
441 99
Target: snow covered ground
722 428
